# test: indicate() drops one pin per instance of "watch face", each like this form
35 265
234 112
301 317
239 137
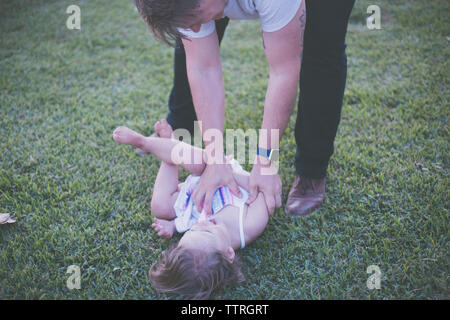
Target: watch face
274 155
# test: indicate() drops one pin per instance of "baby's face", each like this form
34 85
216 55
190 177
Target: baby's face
207 236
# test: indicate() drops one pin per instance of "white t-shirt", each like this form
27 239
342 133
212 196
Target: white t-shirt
273 14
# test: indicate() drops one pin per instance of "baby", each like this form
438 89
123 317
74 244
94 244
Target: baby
204 259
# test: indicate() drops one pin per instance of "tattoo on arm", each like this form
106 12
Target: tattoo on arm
303 25
303 19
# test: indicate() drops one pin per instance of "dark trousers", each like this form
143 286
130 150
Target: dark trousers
322 84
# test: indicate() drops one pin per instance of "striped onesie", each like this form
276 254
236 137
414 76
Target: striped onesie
187 214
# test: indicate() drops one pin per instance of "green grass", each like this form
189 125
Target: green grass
81 199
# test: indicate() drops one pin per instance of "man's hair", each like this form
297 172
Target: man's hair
165 16
194 274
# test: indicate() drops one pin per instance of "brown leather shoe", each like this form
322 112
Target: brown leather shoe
306 195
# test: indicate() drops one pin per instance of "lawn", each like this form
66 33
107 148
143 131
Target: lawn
81 199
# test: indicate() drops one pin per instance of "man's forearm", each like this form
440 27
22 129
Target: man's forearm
280 101
209 102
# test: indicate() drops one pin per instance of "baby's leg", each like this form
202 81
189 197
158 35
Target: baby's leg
164 228
166 183
162 148
165 191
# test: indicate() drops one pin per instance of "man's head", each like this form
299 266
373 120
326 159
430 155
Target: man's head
164 17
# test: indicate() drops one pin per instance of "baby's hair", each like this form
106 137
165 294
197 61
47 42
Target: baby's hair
194 274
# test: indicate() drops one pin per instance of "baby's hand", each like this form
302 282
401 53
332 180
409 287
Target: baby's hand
164 228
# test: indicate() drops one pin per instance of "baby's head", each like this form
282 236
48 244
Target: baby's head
202 262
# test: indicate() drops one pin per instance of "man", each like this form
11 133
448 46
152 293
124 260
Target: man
197 26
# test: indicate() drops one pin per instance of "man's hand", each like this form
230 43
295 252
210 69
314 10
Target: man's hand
264 178
213 177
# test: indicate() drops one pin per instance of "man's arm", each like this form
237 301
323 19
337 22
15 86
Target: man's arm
204 71
283 50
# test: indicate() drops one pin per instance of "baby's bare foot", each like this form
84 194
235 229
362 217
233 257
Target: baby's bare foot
163 129
127 136
165 228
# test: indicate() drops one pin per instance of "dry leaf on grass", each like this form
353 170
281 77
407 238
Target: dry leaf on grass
6 218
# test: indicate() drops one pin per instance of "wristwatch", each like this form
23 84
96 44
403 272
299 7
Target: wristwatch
271 154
